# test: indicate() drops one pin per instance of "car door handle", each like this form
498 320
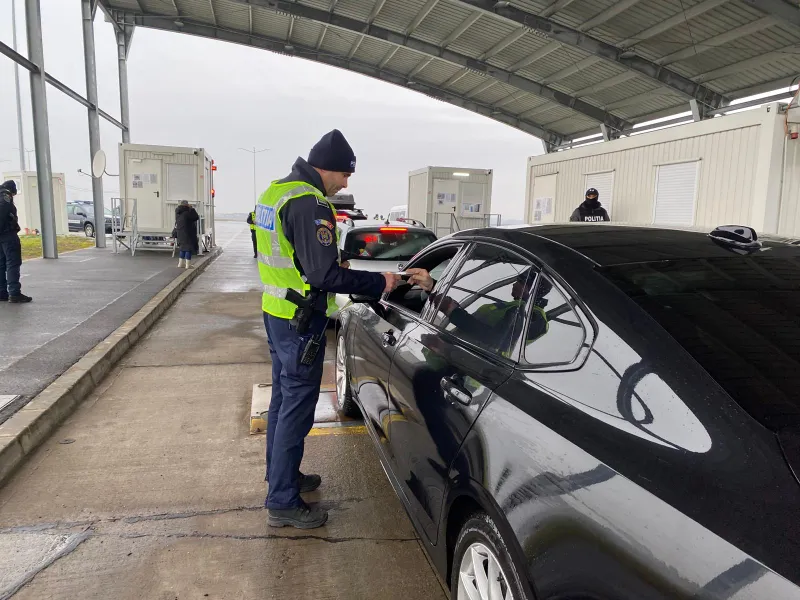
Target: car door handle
388 338
455 391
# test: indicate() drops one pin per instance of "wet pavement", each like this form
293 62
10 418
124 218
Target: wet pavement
78 300
154 487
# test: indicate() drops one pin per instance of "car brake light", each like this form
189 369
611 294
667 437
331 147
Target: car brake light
393 229
341 218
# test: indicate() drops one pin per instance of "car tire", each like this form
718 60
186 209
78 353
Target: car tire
88 229
482 559
344 395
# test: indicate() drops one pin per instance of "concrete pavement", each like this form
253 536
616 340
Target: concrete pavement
79 300
154 487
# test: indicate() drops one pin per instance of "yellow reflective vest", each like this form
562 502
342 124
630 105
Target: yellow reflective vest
276 254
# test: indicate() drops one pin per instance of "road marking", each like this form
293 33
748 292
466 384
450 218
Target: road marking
352 430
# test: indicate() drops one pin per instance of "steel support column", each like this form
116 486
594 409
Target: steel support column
41 129
94 119
124 36
20 133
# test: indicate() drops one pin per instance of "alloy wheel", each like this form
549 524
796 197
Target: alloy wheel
481 577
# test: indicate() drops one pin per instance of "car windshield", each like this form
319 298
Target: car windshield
387 243
739 317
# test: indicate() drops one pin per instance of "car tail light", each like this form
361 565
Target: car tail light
393 229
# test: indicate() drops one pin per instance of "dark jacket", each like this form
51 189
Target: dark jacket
590 212
9 224
319 263
186 219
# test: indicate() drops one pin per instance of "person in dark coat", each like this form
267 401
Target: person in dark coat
186 218
590 210
10 247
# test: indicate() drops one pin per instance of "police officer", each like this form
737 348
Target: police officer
590 210
10 247
251 220
297 250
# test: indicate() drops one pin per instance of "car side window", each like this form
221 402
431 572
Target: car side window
554 334
436 262
486 301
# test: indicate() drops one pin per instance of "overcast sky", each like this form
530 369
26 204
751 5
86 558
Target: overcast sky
187 91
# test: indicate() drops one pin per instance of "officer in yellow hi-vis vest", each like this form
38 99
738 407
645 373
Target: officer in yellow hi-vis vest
298 260
251 220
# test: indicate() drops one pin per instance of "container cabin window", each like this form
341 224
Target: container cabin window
604 184
676 191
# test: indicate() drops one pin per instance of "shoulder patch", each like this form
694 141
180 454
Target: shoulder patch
324 223
324 235
322 202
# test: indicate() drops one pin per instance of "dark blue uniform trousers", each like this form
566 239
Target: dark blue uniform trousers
295 391
10 263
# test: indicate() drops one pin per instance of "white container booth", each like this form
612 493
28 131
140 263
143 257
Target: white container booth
27 201
153 182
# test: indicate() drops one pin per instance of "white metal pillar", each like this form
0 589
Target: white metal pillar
94 119
20 133
124 36
41 129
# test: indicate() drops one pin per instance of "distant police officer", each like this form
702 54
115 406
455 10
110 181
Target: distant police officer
10 247
590 210
251 220
298 261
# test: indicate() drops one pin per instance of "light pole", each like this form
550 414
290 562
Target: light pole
16 83
254 152
23 167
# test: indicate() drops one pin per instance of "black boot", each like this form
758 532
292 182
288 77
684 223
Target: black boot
308 483
19 299
301 517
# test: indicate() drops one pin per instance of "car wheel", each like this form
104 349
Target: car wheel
347 405
482 567
88 229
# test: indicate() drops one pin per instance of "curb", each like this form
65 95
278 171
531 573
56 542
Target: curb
31 425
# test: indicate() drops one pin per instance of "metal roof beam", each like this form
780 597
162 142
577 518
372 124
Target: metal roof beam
387 57
590 45
455 77
571 70
750 63
423 12
211 6
532 58
480 88
605 84
780 9
276 45
555 7
459 31
510 99
717 41
372 16
607 14
643 97
667 24
504 43
432 50
420 67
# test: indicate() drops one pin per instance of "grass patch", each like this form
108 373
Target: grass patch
32 244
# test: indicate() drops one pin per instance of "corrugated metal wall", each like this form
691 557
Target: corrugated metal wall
789 224
167 159
727 169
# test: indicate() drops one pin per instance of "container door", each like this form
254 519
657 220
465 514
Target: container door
445 200
542 208
144 184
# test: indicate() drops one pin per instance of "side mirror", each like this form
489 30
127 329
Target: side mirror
361 299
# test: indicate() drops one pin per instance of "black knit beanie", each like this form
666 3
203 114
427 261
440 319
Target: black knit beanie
10 185
333 153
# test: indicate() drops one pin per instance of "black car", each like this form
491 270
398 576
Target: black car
591 412
80 217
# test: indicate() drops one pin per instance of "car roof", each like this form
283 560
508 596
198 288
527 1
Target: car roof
360 223
610 245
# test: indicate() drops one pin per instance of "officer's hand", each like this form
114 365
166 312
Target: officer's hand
421 278
448 305
392 280
345 264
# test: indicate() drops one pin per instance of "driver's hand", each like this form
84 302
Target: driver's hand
448 305
345 264
392 281
421 278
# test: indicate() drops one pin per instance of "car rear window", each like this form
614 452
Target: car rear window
739 317
387 243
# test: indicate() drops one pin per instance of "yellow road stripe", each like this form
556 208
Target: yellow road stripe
354 430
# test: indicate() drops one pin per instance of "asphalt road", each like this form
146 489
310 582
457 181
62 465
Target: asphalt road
154 488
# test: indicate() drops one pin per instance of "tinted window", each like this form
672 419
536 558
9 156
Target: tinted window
485 303
387 243
413 298
739 317
554 334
